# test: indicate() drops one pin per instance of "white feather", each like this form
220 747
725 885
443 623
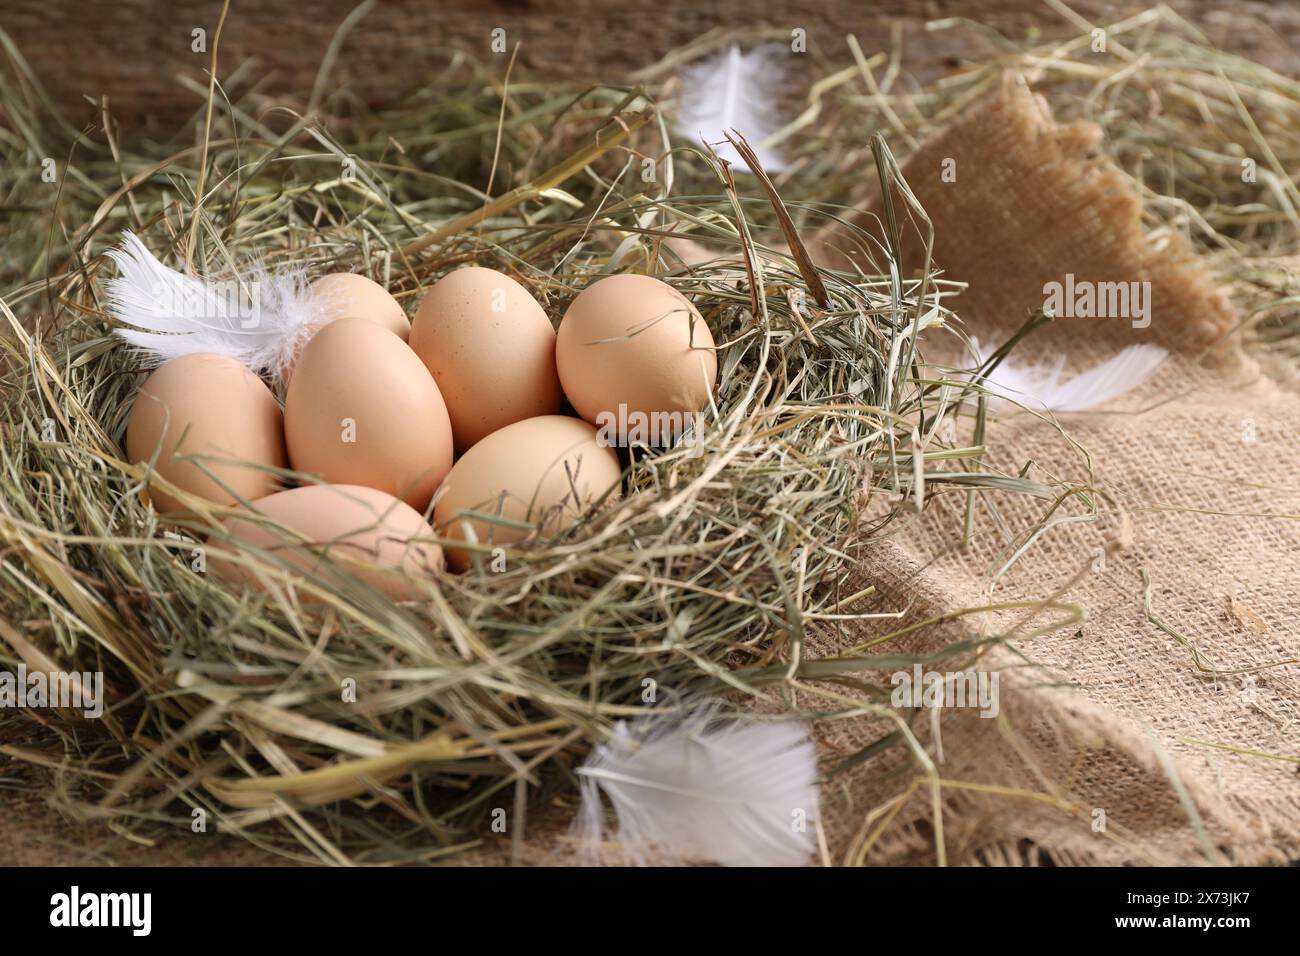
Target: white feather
1042 386
697 788
260 320
734 90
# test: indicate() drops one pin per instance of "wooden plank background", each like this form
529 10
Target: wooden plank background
135 51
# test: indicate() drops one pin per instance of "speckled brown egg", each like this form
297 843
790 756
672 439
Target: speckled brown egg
369 533
634 341
527 474
346 295
212 407
363 410
491 349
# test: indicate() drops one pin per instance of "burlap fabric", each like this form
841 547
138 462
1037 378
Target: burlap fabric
1111 726
1110 744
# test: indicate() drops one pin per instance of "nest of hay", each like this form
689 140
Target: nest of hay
375 731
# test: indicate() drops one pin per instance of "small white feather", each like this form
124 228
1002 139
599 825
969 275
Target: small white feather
698 788
260 321
1042 386
734 90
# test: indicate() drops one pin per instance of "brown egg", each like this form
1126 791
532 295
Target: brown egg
490 348
208 405
381 540
519 474
630 348
363 410
346 295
